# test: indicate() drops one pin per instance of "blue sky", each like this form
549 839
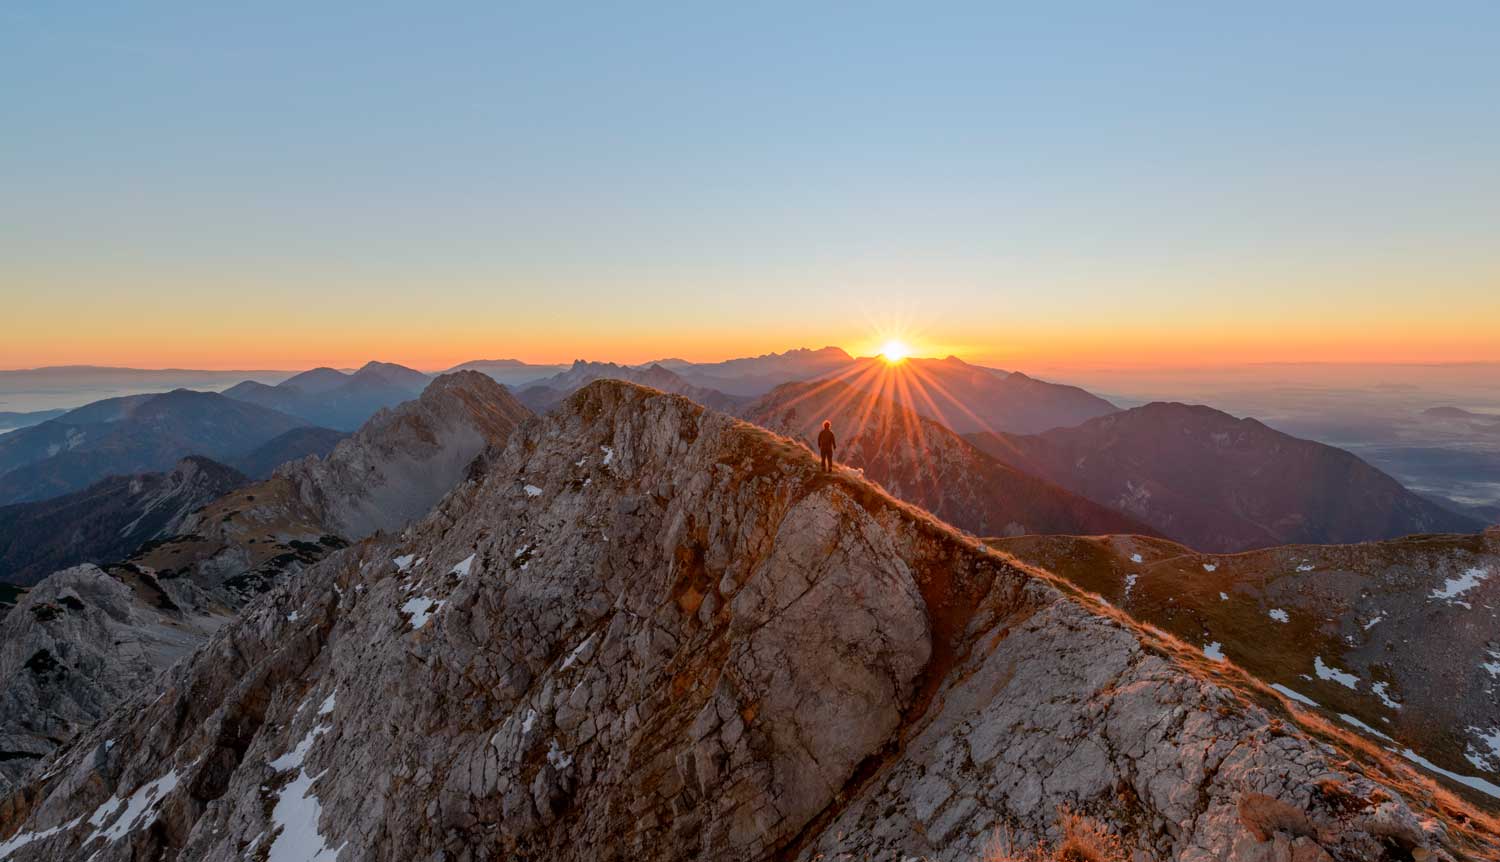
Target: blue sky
757 177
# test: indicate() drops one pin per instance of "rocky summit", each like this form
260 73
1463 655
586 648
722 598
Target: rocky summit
644 630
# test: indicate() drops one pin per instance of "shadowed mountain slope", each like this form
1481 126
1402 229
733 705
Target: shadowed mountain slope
1397 639
645 631
1223 484
108 520
294 445
919 461
136 434
331 398
969 398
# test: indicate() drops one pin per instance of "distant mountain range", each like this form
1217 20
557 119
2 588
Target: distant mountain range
134 434
108 520
548 392
333 399
1223 484
511 372
757 375
918 460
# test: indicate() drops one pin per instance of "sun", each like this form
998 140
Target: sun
894 351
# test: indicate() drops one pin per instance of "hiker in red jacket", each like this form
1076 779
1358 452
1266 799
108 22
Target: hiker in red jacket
826 444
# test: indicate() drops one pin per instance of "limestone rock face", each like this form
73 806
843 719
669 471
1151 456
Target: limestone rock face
80 642
649 631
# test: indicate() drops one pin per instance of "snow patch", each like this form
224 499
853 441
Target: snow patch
1214 651
1135 558
21 839
1349 719
1371 624
294 820
403 563
1278 615
1223 597
1380 692
609 455
1493 665
462 568
136 807
1306 567
1479 784
529 722
291 617
1130 584
559 759
1328 672
1297 696
421 609
532 491
577 651
1455 587
1490 739
1209 567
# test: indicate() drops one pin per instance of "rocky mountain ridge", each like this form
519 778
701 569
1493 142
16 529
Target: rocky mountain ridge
649 631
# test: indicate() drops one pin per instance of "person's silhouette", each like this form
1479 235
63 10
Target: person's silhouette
826 444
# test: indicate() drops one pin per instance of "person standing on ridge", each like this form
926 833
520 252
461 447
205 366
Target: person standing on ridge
826 444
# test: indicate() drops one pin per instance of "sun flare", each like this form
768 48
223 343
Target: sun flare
894 351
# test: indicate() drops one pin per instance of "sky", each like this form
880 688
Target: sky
280 185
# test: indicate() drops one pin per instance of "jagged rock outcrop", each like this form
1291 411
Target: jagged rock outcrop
648 631
1397 640
395 468
108 520
109 631
83 640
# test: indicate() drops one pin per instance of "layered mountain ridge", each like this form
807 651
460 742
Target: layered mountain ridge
108 520
647 630
1222 484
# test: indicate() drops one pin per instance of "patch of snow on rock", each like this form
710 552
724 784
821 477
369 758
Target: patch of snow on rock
462 568
1479 784
533 491
609 455
1277 614
1135 558
1294 695
559 759
1209 567
1130 584
1455 587
1380 691
421 609
1214 651
1328 672
1489 739
123 822
577 651
1223 597
1349 719
404 562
